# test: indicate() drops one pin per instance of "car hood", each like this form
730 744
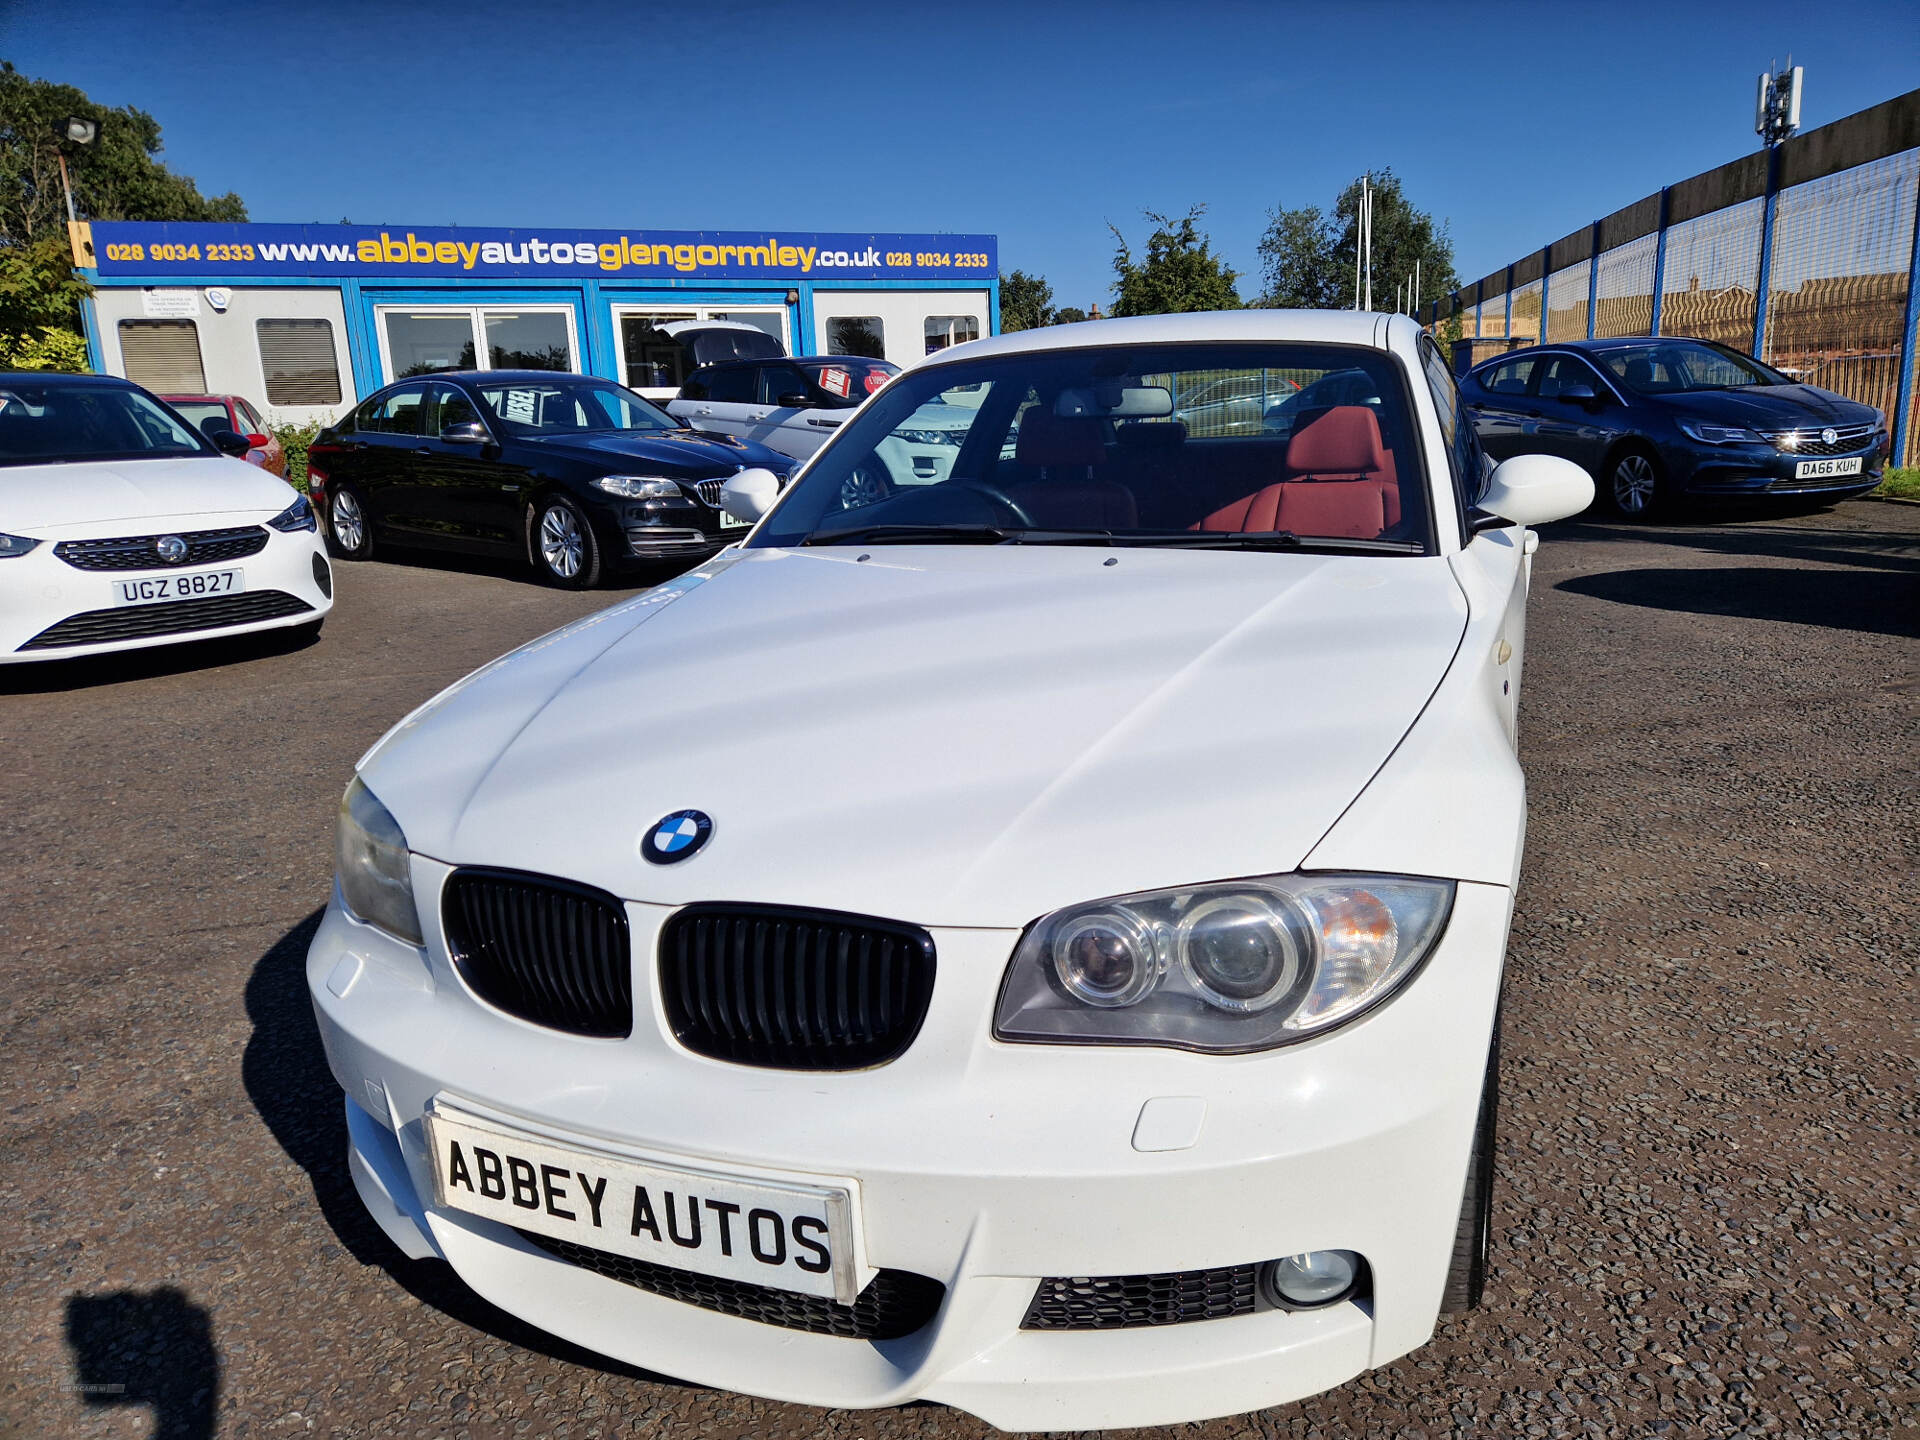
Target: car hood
1769 407
953 736
40 499
682 453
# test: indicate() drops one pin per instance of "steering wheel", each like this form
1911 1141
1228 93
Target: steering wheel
996 497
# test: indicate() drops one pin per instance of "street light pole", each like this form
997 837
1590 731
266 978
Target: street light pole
77 130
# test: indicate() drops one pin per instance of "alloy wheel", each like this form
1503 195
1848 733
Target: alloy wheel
561 544
349 525
1633 484
862 488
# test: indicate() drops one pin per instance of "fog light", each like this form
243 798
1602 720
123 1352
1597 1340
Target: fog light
1319 1277
322 576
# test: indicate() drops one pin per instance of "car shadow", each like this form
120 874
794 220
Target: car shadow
40 677
149 1348
511 567
1877 602
1889 550
287 1079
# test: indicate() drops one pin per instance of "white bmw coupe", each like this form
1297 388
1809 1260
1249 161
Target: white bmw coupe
123 527
1030 941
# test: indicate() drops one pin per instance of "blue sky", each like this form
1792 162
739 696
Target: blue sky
1039 123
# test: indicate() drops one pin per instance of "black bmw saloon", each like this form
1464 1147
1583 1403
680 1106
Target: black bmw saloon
578 475
1657 419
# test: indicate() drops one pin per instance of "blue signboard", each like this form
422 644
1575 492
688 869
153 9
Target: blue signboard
377 252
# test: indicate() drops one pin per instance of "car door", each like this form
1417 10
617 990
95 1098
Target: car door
1575 430
785 405
390 428
1495 568
1504 414
732 395
471 494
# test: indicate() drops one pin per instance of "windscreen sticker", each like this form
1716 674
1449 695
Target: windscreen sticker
836 382
518 406
875 379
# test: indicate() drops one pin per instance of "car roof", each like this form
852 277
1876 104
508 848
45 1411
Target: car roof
798 360
477 375
211 397
1326 327
63 377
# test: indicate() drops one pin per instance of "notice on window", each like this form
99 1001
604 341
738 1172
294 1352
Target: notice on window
836 382
170 304
519 407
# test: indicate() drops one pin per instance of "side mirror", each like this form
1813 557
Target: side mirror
750 494
230 442
471 432
1531 490
794 400
259 441
1578 394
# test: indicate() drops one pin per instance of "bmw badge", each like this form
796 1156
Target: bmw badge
676 837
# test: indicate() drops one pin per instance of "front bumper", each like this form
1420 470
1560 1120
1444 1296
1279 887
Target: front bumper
1765 472
39 591
982 1165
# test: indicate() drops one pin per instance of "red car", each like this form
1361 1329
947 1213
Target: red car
233 412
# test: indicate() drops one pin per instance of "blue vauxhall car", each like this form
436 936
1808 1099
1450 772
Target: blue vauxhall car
1656 419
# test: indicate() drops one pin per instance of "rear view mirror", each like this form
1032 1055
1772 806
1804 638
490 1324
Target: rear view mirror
750 494
1578 394
229 442
472 432
1115 402
793 400
1531 490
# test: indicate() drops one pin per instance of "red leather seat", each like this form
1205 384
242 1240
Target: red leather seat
1338 480
1065 451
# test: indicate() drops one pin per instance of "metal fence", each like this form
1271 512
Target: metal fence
1805 256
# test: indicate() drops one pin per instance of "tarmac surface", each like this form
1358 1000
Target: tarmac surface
1705 1221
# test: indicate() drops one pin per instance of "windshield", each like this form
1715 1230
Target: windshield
199 412
1671 367
844 383
47 423
1128 445
558 407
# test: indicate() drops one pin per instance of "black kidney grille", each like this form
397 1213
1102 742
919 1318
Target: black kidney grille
895 1302
545 950
171 617
1120 1302
138 552
710 491
794 989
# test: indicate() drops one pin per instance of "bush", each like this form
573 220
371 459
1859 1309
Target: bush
44 347
1901 482
295 439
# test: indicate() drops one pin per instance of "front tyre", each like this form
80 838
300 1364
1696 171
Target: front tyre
1473 1237
1632 486
562 543
349 530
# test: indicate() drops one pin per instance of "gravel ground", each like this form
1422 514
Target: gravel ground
1706 1216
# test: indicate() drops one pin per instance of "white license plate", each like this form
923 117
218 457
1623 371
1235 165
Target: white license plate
1814 469
156 588
785 1235
727 522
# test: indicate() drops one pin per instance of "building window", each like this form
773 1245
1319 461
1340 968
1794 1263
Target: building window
298 360
422 341
856 335
163 355
945 330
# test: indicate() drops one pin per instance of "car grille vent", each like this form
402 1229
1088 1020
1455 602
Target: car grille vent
1121 1302
794 989
1806 441
173 617
140 552
546 950
895 1302
710 491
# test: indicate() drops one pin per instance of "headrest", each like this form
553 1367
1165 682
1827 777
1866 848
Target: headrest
1639 370
1047 440
1151 434
1344 441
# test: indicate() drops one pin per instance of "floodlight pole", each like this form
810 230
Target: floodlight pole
66 184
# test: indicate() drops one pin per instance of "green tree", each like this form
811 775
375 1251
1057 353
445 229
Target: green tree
1068 315
1179 274
1026 301
117 177
1307 255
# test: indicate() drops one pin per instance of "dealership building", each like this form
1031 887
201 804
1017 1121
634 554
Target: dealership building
303 320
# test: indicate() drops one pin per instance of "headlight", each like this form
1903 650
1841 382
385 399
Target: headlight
297 516
12 545
639 487
927 437
1242 965
372 866
1719 434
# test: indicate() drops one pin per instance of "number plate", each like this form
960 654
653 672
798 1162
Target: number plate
1814 469
785 1235
155 589
727 522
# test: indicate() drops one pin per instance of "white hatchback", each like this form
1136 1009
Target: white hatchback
1046 959
123 527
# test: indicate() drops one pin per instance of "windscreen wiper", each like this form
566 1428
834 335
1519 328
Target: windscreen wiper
1272 540
912 535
